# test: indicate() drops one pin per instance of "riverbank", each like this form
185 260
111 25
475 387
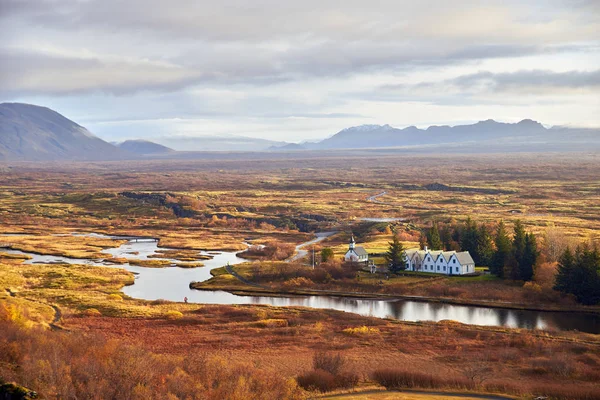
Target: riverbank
222 281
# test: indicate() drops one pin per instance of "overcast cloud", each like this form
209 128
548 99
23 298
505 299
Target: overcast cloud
291 70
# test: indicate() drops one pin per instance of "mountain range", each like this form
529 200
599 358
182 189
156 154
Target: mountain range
34 133
483 136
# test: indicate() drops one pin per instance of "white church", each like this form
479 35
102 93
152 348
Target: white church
356 253
439 262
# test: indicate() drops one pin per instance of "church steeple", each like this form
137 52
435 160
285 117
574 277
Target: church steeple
352 243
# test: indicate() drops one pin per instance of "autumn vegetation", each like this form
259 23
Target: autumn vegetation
67 331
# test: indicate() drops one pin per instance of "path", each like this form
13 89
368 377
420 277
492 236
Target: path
300 253
373 198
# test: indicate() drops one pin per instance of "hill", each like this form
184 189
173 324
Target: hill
144 147
34 133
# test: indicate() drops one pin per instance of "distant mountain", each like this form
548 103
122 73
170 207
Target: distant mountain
526 135
217 143
144 147
34 133
287 147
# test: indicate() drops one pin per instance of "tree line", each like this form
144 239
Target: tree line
579 274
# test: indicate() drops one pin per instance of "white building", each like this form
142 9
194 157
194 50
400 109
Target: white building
439 262
356 253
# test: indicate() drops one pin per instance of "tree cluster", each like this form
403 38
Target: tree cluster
507 258
579 274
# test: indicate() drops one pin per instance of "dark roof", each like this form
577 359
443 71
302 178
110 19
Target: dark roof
464 258
360 251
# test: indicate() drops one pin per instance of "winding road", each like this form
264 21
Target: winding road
374 198
301 253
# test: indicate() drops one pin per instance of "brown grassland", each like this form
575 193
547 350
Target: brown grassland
158 349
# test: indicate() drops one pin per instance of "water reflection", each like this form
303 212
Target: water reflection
173 284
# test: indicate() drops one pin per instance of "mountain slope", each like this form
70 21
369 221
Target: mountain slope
144 147
526 135
33 133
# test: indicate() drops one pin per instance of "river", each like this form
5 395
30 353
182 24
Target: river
172 284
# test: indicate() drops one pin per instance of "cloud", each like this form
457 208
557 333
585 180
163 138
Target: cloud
539 82
122 47
332 62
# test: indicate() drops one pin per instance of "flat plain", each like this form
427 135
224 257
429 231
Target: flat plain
224 205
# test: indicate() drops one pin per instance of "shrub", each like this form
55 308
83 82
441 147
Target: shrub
324 381
361 330
92 312
173 314
397 379
272 323
558 391
15 314
115 297
297 282
87 366
320 380
332 363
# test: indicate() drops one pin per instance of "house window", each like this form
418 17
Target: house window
438 268
453 261
444 269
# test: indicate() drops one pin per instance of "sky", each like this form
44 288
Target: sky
300 70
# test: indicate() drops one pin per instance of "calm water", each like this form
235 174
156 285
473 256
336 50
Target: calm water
173 284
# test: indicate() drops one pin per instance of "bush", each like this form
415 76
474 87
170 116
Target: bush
272 323
90 366
320 380
558 391
332 363
92 312
327 374
324 381
173 314
397 379
115 297
297 282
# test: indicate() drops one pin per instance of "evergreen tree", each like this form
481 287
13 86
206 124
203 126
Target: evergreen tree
485 246
518 250
518 243
468 238
563 282
433 238
395 256
579 275
446 237
530 255
503 250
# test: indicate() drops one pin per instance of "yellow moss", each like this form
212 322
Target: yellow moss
173 314
361 330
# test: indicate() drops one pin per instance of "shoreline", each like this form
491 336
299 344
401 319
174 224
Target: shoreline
254 291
